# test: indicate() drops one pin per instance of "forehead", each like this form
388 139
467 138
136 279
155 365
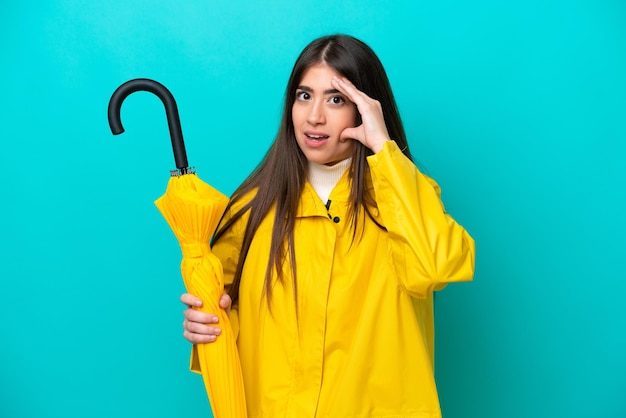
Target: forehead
319 75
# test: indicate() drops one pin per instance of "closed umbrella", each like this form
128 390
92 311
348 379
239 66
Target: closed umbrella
192 208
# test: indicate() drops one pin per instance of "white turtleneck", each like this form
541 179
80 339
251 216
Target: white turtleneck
323 178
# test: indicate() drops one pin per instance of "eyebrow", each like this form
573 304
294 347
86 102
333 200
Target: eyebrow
310 90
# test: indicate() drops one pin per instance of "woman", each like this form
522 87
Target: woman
332 249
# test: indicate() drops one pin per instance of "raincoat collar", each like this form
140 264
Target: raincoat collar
311 204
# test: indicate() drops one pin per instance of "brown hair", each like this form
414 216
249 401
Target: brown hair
281 175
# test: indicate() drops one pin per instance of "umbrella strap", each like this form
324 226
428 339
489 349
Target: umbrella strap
195 249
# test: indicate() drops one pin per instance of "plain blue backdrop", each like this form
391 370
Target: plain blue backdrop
517 109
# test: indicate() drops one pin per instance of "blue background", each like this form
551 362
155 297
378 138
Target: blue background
517 109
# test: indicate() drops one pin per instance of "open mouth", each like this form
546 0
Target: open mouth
316 137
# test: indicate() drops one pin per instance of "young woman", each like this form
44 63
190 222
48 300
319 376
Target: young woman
332 249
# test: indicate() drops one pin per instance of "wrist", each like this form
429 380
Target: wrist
377 147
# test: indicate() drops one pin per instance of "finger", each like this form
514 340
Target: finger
370 109
346 87
203 329
225 301
190 300
194 315
349 134
198 338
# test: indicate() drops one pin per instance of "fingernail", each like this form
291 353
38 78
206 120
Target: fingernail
218 331
214 320
212 337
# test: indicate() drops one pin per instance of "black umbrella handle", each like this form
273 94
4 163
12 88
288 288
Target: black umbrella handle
171 110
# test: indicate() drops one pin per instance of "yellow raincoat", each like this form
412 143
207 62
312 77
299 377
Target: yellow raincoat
362 343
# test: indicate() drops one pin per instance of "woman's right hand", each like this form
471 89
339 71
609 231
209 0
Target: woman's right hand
201 327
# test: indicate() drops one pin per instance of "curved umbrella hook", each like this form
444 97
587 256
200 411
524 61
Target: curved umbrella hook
171 110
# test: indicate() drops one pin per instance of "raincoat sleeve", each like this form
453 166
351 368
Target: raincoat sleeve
428 248
227 250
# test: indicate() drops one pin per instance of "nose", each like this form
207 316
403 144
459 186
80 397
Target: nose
316 114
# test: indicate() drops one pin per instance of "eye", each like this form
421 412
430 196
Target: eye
337 100
302 95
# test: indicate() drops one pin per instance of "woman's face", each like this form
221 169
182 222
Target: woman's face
320 113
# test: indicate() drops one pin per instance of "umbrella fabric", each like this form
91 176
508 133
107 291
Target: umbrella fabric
193 209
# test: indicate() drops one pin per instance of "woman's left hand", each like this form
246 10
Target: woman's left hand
372 132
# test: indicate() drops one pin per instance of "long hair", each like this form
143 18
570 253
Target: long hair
281 175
